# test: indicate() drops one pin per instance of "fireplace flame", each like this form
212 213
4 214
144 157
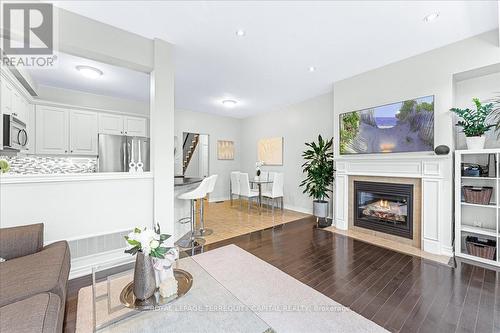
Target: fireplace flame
384 203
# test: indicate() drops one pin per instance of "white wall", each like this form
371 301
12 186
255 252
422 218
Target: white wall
430 73
78 208
217 128
84 99
297 124
485 88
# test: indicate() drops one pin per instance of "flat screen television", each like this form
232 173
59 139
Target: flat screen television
406 126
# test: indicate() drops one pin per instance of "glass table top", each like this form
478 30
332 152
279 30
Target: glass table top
207 307
260 181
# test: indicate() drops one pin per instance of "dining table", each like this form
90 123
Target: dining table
259 183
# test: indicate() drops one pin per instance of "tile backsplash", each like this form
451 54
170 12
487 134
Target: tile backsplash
29 165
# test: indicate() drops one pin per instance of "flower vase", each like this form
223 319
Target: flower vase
144 277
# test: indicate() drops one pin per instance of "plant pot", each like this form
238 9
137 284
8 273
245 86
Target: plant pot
320 208
475 142
144 277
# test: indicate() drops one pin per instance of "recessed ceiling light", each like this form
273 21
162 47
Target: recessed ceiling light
229 103
431 17
312 69
240 33
89 72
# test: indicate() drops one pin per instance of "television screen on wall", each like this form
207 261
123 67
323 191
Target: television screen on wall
406 126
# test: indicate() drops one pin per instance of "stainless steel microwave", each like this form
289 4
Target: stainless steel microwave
14 133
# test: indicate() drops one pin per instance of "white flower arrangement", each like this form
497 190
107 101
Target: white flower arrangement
149 241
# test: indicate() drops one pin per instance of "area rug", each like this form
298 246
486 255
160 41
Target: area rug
277 302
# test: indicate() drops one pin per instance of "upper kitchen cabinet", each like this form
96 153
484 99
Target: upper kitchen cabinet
13 102
61 132
135 126
7 92
51 130
122 125
110 124
83 132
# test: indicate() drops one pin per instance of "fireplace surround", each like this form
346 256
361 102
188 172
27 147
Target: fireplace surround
384 207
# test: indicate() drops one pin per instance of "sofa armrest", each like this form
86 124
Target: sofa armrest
21 241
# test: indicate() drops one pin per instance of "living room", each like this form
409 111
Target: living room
268 181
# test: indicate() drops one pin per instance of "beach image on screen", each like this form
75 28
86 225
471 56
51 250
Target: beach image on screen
406 126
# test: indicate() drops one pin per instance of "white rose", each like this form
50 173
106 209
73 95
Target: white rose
154 244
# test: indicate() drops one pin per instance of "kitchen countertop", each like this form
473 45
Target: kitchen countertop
183 181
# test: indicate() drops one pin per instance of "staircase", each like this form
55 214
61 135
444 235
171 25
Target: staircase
188 148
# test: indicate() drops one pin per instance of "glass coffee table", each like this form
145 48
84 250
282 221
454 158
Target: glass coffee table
207 307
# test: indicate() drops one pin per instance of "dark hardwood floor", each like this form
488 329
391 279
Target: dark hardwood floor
399 292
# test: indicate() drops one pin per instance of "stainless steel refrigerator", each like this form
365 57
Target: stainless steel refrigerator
116 152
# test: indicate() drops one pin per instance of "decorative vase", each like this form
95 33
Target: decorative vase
144 277
475 142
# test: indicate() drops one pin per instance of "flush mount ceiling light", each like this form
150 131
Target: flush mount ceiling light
89 72
240 33
431 17
229 103
312 69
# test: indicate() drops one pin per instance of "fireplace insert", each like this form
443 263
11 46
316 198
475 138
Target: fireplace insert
384 207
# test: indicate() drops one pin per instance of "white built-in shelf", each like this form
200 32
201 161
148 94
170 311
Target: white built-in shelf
491 205
480 231
481 178
491 212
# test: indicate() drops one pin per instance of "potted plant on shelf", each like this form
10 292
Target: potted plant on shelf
318 167
147 244
474 123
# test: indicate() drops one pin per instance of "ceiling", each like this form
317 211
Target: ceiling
114 81
268 68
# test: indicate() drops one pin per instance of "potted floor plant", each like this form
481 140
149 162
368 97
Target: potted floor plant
474 123
318 167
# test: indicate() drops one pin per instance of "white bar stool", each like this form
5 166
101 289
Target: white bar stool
198 193
210 188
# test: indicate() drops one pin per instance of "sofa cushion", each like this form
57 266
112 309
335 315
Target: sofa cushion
44 271
38 313
21 241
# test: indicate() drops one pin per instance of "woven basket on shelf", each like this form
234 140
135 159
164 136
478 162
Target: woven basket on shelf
477 195
481 248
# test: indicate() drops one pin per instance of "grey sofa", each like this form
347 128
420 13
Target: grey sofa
33 281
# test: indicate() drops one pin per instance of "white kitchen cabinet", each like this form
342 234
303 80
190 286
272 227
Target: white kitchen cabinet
18 106
83 127
30 128
122 125
135 126
110 124
51 130
6 97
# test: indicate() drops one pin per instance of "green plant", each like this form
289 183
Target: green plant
496 114
4 166
319 169
474 122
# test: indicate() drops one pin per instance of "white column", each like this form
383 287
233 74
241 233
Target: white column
162 135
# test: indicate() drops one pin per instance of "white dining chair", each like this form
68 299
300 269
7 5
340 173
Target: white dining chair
276 193
246 191
234 185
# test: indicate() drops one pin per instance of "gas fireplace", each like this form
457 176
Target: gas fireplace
384 207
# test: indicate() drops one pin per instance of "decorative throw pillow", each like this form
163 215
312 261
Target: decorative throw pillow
2 259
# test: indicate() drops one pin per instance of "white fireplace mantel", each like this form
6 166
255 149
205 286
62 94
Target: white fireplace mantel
436 174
